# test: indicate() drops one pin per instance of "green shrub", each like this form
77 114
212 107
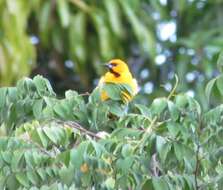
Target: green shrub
52 143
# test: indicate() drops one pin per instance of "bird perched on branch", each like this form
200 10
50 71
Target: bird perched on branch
120 77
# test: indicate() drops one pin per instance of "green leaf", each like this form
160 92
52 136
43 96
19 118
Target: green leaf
77 155
147 185
127 150
142 33
43 86
71 94
209 88
63 10
125 164
42 174
162 147
16 160
144 110
110 183
113 91
95 96
44 15
116 109
37 108
33 177
103 33
63 109
51 133
39 136
22 178
174 112
98 148
181 100
12 183
220 62
64 157
158 105
65 175
183 152
219 83
114 17
173 128
3 92
77 39
7 156
159 183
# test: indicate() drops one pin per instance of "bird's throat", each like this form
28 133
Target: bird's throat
114 73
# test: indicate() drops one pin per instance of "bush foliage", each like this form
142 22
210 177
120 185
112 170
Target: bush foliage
80 142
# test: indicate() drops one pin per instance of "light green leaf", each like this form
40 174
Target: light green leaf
162 147
219 83
37 108
22 178
110 183
16 160
158 105
144 110
65 175
174 112
63 10
220 61
127 150
51 133
103 34
159 183
113 91
209 88
43 138
142 32
33 177
125 164
3 92
12 183
114 16
77 39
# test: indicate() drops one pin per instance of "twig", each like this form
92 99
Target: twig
174 88
196 168
77 126
155 168
85 94
36 145
147 132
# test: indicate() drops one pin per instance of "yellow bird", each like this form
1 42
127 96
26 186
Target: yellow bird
118 73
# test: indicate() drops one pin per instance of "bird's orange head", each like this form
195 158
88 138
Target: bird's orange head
117 67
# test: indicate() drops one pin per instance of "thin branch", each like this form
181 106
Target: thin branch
85 94
36 145
196 168
147 132
174 88
77 126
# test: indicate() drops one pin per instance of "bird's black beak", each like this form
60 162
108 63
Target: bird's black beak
109 65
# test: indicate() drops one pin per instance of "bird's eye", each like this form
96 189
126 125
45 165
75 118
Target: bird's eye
114 64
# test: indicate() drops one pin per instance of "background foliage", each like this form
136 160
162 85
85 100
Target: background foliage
68 40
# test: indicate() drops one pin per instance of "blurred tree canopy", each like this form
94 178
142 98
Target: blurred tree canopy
68 40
